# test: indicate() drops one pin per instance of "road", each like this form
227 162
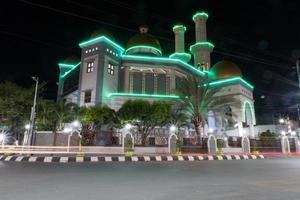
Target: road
272 179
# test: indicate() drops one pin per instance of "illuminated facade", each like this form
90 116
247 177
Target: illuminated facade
111 74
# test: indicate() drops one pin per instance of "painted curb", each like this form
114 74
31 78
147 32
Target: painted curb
57 159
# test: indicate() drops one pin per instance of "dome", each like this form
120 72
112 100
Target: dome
143 43
101 32
71 60
225 69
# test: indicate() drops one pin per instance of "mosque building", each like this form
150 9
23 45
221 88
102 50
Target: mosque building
111 74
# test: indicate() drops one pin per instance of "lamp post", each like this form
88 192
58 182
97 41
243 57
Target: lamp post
31 131
2 138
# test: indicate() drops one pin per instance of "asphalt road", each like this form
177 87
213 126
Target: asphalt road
272 179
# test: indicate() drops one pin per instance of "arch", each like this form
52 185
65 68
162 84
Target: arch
212 144
285 145
125 139
251 111
245 144
172 143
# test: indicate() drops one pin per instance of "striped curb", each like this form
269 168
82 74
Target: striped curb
56 159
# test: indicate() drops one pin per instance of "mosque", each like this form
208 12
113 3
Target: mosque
111 74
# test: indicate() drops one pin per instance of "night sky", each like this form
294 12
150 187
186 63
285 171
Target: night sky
262 37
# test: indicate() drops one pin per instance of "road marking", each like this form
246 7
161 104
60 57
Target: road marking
169 158
200 157
63 159
107 159
94 159
180 158
32 159
253 157
158 158
220 157
228 157
246 157
237 157
121 159
8 158
19 158
134 158
48 159
261 156
147 158
191 158
210 157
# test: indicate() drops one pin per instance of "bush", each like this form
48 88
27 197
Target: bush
220 143
178 145
267 138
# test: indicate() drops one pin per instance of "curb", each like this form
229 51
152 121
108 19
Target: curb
55 159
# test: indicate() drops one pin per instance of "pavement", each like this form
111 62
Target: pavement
266 179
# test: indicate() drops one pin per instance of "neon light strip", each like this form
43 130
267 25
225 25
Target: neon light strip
180 54
202 14
179 26
68 72
99 39
187 66
251 110
202 44
143 46
66 65
144 95
228 80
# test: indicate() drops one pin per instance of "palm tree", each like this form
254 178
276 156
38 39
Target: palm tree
198 98
64 112
179 117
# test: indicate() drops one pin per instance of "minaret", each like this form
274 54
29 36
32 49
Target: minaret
179 44
202 48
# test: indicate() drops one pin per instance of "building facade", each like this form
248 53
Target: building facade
110 74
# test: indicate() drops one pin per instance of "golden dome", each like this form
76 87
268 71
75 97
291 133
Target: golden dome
143 39
225 69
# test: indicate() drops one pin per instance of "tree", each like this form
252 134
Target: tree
46 117
15 106
63 112
198 98
179 117
98 114
145 115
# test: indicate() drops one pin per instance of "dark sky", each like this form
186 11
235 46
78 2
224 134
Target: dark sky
262 37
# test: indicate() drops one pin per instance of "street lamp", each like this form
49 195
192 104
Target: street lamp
173 128
31 131
281 120
128 126
2 139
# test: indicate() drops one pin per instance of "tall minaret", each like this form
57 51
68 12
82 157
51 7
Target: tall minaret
202 48
179 44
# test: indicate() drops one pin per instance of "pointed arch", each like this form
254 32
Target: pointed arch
247 102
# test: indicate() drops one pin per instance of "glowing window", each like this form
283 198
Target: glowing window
90 67
110 69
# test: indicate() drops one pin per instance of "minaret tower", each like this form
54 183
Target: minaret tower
179 44
202 48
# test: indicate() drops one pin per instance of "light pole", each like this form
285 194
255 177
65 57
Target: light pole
2 138
31 131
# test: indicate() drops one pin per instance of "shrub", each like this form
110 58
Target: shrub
220 143
267 138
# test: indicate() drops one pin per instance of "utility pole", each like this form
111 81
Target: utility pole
31 131
298 74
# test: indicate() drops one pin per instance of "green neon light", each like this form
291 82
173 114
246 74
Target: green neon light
251 110
182 56
72 67
179 26
143 46
100 39
162 59
202 44
228 80
200 14
144 95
